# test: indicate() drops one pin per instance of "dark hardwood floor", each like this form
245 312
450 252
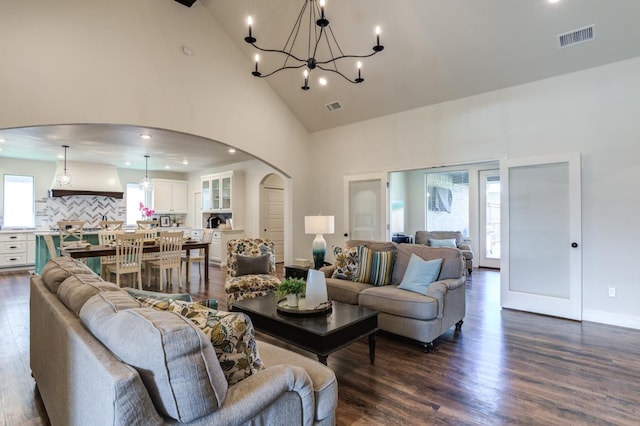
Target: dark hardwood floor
504 367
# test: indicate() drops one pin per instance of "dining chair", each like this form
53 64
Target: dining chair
150 236
71 232
111 225
128 257
147 224
48 239
198 257
107 238
168 258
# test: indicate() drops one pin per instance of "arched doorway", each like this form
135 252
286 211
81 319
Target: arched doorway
272 212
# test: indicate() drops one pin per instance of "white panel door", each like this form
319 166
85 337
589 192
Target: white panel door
541 268
273 219
366 207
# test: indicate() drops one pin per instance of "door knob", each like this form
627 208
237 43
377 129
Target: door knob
574 245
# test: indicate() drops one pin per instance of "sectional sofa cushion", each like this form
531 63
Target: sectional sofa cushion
59 269
420 274
174 358
392 300
77 289
452 264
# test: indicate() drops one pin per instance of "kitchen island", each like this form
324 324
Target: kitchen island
42 252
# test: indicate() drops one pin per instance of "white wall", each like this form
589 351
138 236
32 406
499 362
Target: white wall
594 112
121 61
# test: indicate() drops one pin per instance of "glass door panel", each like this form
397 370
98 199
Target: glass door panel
366 207
490 244
206 195
226 192
215 194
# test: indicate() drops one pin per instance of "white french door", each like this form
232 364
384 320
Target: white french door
489 212
366 207
541 268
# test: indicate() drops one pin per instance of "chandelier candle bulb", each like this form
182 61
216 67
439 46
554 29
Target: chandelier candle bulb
250 38
256 72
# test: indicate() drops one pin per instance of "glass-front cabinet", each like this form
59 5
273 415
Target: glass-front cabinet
206 194
222 192
225 192
215 194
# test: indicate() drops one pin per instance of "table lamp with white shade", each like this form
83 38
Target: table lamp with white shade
318 225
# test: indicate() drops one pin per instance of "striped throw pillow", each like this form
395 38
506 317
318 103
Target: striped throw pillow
376 267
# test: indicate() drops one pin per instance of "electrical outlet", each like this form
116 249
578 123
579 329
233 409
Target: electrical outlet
612 291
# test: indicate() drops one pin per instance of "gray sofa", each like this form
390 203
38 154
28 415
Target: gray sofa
82 382
423 237
422 317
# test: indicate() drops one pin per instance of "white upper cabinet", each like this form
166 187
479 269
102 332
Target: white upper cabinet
170 196
222 192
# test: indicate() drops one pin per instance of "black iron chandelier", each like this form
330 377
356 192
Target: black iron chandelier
320 33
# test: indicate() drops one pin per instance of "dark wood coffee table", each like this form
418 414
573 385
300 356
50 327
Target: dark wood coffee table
321 334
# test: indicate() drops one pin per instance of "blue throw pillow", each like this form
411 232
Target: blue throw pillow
420 274
451 242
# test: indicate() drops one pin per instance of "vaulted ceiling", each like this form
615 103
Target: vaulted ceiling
435 50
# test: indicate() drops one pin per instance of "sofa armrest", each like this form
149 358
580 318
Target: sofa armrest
250 398
328 270
439 289
464 246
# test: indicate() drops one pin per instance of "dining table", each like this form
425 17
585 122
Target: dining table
100 251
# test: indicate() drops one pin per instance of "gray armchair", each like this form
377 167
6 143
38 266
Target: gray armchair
423 237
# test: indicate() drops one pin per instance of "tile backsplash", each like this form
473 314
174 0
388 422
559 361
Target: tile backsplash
90 208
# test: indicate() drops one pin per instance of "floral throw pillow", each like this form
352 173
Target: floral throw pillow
231 334
347 262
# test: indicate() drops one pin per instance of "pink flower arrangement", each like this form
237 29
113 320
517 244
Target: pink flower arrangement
146 211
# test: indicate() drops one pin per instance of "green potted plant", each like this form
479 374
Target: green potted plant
292 289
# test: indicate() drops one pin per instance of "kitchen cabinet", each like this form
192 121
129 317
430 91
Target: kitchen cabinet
169 196
224 193
17 249
218 247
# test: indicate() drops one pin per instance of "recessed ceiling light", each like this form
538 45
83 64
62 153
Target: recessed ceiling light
553 1
167 167
145 136
185 162
127 163
322 81
231 150
2 140
60 156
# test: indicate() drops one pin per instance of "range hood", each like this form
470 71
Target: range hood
88 179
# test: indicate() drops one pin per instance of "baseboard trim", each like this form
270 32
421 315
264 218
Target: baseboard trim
608 318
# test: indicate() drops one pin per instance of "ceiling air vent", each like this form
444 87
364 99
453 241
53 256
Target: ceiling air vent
333 106
576 36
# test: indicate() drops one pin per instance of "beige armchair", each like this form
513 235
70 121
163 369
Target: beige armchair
251 269
423 237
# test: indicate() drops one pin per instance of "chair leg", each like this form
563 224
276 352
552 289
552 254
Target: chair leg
179 277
